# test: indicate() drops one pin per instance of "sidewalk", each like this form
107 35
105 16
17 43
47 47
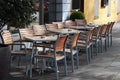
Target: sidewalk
104 66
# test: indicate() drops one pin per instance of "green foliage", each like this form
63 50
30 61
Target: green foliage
77 15
16 13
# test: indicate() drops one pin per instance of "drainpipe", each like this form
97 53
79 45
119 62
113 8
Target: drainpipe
41 12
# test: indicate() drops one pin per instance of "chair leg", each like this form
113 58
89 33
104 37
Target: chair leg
65 66
72 61
87 55
31 61
26 65
108 40
97 47
31 68
77 60
56 71
90 52
106 44
111 40
101 46
19 59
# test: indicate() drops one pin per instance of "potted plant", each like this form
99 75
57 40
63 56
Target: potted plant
77 15
4 61
15 13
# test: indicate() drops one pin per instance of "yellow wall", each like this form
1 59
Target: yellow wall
89 12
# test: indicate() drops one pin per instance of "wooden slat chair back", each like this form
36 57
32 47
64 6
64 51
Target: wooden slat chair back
61 43
96 31
61 25
111 25
91 34
104 29
80 22
70 23
75 40
39 30
25 32
51 26
6 37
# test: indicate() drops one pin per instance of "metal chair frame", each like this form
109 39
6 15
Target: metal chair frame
57 47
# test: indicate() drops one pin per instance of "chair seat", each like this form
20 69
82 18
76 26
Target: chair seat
95 39
68 51
20 52
81 41
83 45
50 55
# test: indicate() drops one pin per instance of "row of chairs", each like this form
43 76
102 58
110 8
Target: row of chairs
59 47
84 40
88 39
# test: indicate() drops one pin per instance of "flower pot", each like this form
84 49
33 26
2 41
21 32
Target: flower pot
4 61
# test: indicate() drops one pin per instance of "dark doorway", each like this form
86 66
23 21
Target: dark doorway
78 4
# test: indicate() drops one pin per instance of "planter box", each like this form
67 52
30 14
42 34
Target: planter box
4 61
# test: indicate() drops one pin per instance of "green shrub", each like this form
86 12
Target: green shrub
16 13
77 15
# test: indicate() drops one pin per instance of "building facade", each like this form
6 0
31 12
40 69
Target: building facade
98 11
95 11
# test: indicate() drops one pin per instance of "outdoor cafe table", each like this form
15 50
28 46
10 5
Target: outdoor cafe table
80 27
41 39
64 31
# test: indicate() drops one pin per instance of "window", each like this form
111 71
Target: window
96 9
104 3
78 4
75 4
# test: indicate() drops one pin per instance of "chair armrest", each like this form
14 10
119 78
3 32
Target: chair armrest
22 41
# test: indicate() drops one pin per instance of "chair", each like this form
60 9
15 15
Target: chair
110 33
96 38
72 50
39 30
61 25
70 23
51 26
57 54
104 36
25 32
80 22
7 39
84 42
29 32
